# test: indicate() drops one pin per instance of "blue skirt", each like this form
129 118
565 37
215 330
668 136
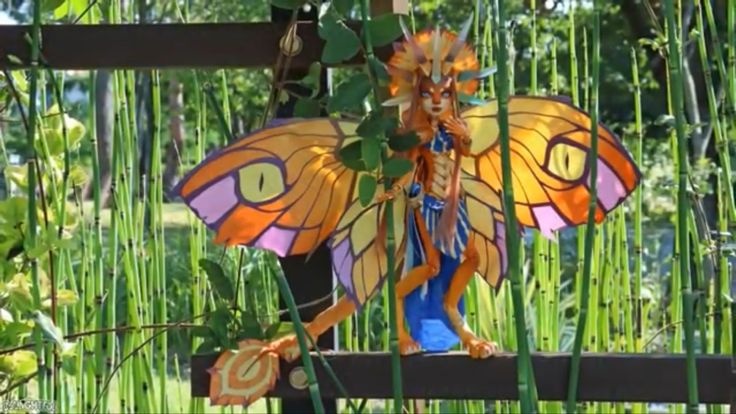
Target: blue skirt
424 306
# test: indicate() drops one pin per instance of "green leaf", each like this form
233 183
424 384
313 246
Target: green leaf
312 80
307 108
403 142
78 176
350 93
51 5
250 327
218 322
343 6
366 189
201 331
75 132
397 167
18 174
341 42
64 297
52 140
14 59
69 360
384 29
15 332
19 363
21 83
288 4
375 125
220 283
371 152
350 156
207 346
14 210
379 69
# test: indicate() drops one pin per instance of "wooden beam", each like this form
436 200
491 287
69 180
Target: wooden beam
379 7
165 46
603 377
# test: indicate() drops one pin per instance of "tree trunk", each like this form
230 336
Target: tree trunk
176 130
105 124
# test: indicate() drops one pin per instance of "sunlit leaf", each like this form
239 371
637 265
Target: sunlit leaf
19 363
18 174
51 5
78 176
64 297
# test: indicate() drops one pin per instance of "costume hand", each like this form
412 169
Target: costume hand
458 129
389 195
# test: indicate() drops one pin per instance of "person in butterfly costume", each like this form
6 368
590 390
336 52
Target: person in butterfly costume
285 188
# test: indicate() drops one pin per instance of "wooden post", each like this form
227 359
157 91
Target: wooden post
313 281
379 7
309 281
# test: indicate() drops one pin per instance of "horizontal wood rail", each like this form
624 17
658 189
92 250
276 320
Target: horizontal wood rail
603 377
165 46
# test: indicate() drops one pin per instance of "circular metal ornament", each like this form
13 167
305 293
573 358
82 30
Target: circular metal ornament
298 378
291 44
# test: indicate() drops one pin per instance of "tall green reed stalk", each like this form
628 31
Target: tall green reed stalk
683 205
35 45
526 382
590 228
390 242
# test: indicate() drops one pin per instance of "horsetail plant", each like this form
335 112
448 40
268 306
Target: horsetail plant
526 382
390 242
683 205
590 227
32 208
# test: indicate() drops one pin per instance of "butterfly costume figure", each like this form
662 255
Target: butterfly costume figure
285 188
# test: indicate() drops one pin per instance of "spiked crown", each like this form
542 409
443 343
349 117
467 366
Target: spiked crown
434 54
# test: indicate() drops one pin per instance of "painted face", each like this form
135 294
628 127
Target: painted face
435 97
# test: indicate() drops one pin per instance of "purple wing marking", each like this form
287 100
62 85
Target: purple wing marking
277 239
501 243
610 188
212 203
549 220
342 265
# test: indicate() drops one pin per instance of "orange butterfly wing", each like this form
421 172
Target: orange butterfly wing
550 144
281 188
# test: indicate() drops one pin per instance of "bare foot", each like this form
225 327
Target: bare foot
407 346
480 349
286 347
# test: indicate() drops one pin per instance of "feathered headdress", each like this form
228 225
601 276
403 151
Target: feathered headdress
434 54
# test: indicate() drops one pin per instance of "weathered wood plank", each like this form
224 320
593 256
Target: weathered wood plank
145 46
603 377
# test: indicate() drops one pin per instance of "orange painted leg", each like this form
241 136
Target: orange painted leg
477 348
412 280
288 347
